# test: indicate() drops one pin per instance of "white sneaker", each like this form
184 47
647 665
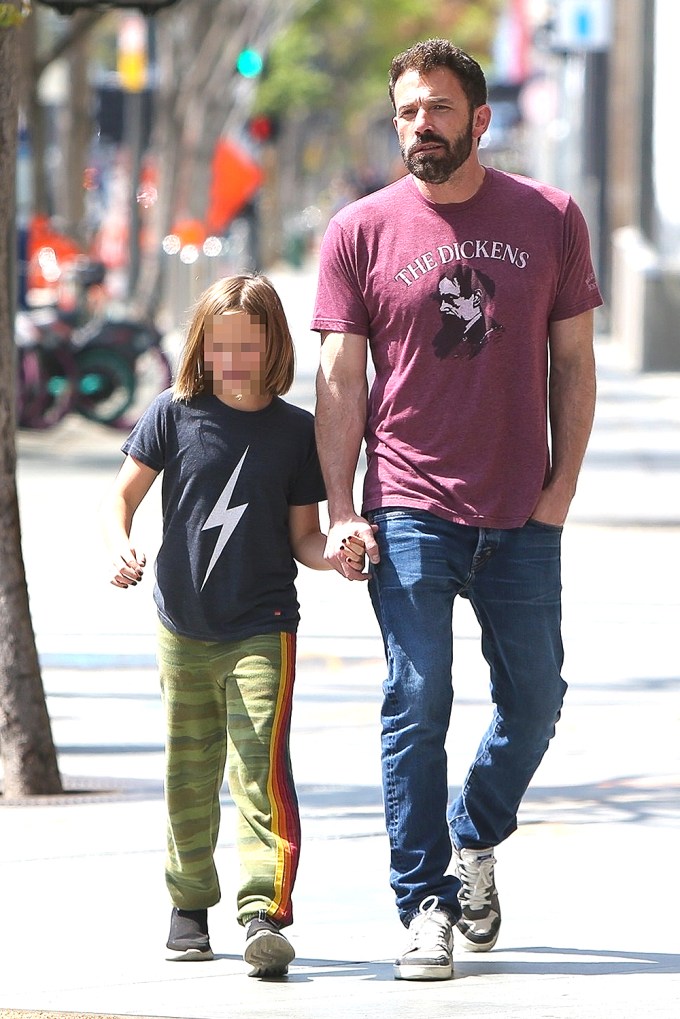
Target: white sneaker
428 955
481 920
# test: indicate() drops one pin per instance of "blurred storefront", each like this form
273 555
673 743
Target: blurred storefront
596 116
643 192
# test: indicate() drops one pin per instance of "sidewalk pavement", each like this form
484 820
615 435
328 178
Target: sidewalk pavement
589 896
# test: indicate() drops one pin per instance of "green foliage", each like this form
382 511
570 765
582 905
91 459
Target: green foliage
336 55
12 15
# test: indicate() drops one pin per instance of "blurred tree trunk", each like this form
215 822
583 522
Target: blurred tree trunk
33 63
33 112
26 747
199 99
79 130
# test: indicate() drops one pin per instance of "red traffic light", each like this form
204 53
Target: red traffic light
262 128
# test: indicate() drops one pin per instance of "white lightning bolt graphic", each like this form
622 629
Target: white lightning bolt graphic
222 516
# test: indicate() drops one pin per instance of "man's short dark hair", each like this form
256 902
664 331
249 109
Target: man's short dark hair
436 53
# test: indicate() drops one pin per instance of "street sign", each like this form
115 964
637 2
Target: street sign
236 178
582 26
71 6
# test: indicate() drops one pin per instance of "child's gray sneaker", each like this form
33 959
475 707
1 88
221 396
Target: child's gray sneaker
267 951
188 940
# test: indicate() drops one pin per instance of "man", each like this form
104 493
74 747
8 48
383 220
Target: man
464 493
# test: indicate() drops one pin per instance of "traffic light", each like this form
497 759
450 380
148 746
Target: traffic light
249 63
263 128
132 53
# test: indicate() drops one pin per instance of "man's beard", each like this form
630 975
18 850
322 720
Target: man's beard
436 168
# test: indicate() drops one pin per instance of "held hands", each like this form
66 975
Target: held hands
354 551
129 569
348 544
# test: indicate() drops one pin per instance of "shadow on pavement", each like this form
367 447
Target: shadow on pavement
627 799
571 962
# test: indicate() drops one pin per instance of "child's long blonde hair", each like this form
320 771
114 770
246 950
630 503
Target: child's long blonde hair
255 295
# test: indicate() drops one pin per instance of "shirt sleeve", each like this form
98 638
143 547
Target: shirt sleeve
308 486
146 441
577 290
340 306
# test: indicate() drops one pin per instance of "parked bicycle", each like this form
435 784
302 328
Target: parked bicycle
106 370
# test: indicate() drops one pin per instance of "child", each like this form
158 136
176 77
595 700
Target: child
241 486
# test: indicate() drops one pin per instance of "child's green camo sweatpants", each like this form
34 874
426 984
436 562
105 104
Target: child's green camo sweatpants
230 703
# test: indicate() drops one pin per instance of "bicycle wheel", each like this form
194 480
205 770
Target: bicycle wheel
29 384
152 374
47 387
106 384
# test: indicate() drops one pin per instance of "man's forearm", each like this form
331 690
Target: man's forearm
340 426
572 408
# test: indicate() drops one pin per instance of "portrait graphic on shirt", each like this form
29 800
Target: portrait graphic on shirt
463 295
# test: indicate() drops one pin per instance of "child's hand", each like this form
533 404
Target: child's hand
129 569
354 551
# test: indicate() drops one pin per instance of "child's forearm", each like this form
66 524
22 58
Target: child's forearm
116 522
309 549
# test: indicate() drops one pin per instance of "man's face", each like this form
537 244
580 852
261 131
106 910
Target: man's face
233 354
435 124
451 301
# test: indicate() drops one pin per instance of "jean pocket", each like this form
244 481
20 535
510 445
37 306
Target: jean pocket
543 526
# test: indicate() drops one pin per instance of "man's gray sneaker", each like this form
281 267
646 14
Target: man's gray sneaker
188 940
267 951
481 919
429 952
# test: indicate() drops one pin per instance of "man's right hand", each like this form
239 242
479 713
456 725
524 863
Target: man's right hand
339 533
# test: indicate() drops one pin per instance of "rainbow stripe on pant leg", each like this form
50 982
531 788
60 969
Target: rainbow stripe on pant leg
259 708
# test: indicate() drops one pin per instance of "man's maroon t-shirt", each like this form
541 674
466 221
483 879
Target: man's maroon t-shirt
456 301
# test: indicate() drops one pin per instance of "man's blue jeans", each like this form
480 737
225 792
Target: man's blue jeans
512 579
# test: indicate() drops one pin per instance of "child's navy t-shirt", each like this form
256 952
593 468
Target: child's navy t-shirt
225 569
